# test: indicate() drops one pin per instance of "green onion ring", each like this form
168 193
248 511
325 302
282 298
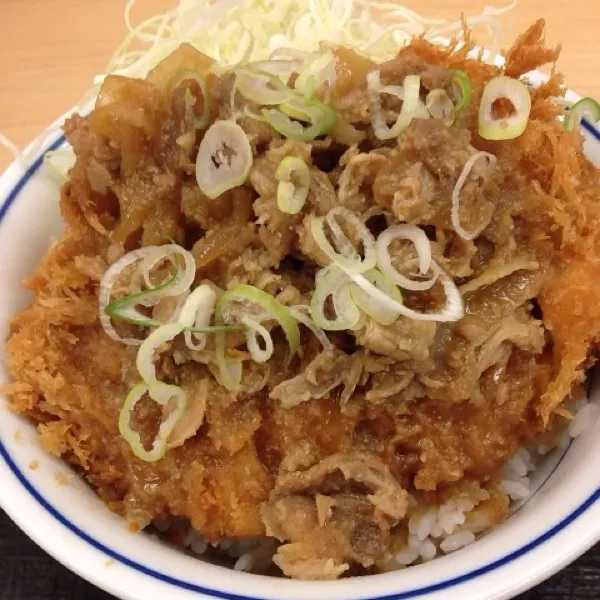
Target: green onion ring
461 80
161 393
189 75
586 107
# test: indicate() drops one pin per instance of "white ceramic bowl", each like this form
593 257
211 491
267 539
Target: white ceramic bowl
557 524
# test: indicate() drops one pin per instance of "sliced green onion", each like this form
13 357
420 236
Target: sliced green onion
106 285
506 128
297 109
157 254
194 318
585 108
189 75
294 180
290 53
288 128
334 283
301 313
145 356
410 104
253 332
261 87
316 74
199 307
362 320
161 393
186 75
303 109
460 183
422 245
373 307
224 158
230 370
452 311
344 253
421 112
397 91
280 68
343 244
197 312
462 97
124 309
250 297
215 329
240 303
440 106
317 119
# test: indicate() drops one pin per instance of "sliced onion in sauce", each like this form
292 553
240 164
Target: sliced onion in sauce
422 245
460 183
224 158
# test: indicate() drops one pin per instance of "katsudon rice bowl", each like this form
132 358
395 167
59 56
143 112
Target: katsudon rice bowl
319 309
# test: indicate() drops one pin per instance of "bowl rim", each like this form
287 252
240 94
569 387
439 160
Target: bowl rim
11 192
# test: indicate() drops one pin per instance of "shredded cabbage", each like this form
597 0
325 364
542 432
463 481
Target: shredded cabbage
229 30
60 162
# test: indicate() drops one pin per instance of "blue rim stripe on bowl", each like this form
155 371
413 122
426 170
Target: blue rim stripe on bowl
406 595
37 163
591 129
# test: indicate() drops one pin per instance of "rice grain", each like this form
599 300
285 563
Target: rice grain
457 541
